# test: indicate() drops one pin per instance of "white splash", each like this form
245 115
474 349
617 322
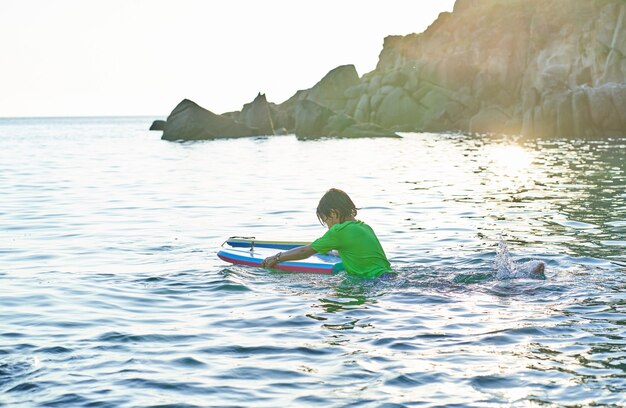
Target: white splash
506 268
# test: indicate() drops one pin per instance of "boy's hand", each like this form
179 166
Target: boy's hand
270 261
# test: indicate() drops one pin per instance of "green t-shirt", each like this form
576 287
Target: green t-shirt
359 248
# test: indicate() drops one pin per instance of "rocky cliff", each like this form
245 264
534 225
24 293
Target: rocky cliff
538 68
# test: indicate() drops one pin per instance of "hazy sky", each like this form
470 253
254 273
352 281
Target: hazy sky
135 57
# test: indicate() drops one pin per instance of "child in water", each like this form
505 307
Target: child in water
357 244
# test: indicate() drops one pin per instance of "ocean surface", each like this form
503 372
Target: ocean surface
111 294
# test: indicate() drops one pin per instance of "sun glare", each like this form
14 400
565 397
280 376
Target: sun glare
510 158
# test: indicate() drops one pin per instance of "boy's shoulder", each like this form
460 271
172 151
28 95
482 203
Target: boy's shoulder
348 224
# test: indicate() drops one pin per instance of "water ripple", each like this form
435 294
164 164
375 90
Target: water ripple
111 294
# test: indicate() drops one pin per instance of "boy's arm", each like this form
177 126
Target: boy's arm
294 254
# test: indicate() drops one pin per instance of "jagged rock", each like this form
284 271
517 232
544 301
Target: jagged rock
356 91
565 117
619 101
314 121
342 125
395 79
583 125
605 113
311 119
362 109
489 120
282 118
398 108
189 121
330 91
158 125
338 123
359 130
258 114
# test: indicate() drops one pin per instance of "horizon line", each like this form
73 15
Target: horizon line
82 116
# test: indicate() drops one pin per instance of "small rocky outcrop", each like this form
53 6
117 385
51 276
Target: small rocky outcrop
189 121
158 125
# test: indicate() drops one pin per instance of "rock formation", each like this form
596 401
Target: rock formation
313 120
257 114
531 67
188 121
506 66
311 113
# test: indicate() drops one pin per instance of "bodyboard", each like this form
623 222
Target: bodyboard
254 256
252 242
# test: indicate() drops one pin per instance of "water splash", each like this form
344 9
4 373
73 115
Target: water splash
506 268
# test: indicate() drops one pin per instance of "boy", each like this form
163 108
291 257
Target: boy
357 244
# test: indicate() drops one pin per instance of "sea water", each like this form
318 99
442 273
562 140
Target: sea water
111 294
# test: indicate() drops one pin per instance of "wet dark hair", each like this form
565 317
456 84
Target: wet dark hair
337 200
